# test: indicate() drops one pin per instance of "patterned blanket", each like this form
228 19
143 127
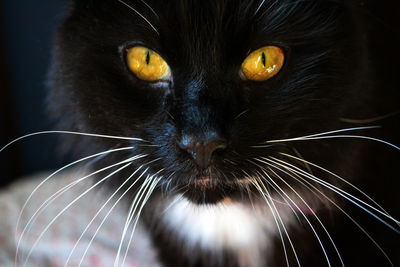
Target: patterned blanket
51 238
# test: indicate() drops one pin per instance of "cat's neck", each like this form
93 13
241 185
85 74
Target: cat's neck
226 234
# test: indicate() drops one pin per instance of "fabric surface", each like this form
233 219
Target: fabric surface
53 247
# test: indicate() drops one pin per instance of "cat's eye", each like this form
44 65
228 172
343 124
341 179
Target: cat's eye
263 64
147 65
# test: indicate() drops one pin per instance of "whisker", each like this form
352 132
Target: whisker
53 197
103 206
376 244
141 193
151 9
149 192
256 184
341 136
340 209
148 145
348 120
241 114
250 197
72 133
301 157
323 133
109 212
281 221
60 170
143 17
259 7
69 205
284 228
337 176
313 213
176 200
131 212
343 194
304 216
280 202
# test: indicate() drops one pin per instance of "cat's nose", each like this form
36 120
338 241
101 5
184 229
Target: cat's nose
202 150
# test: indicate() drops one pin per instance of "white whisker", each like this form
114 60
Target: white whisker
256 184
149 192
143 17
109 212
151 9
313 213
376 244
69 205
53 197
72 133
301 156
371 120
281 221
342 136
304 216
323 134
241 114
337 176
60 170
280 202
259 7
131 213
344 194
102 207
176 200
340 209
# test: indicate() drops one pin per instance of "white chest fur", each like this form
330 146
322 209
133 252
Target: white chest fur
243 229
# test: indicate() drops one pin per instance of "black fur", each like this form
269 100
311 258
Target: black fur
328 75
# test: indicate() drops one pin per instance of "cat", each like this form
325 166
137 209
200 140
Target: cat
244 126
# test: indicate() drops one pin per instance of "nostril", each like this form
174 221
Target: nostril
215 144
202 150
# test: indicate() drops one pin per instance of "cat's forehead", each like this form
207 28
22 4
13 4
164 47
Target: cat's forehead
233 17
204 36
211 17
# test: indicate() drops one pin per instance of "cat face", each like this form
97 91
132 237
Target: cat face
206 125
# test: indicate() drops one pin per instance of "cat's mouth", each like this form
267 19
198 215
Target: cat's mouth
205 183
207 190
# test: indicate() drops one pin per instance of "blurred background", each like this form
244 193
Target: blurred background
26 30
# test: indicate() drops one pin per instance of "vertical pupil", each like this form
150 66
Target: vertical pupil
263 59
148 58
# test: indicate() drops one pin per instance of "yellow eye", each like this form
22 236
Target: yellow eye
147 65
263 64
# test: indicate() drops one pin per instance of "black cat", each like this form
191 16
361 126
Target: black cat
250 115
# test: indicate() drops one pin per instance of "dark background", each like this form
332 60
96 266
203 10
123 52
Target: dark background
26 30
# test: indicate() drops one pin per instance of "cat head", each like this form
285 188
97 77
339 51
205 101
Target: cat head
204 120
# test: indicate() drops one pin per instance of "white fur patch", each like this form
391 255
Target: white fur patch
240 228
